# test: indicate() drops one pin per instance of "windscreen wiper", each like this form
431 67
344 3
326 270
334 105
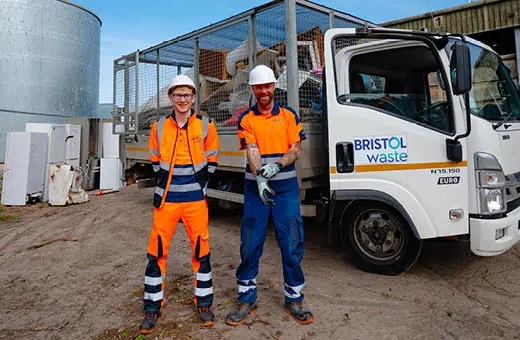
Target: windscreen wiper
499 124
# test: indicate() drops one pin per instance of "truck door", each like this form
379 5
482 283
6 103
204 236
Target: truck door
389 115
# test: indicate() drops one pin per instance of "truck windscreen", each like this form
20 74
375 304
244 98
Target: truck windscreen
494 95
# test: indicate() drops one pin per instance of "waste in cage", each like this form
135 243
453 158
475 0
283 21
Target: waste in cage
219 58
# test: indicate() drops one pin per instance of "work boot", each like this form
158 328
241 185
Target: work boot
148 323
301 315
206 317
238 316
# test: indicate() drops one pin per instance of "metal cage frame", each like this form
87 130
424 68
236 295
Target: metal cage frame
139 77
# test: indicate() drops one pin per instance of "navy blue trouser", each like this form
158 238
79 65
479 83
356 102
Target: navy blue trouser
289 235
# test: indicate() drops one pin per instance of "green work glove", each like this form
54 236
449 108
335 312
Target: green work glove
264 190
270 170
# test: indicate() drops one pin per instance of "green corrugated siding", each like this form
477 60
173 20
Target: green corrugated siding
500 14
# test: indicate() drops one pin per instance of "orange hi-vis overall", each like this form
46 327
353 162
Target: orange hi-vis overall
184 158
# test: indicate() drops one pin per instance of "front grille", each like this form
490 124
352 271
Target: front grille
512 187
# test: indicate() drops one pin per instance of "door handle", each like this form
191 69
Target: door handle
345 157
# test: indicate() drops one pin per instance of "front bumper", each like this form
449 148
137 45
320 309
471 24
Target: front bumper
483 231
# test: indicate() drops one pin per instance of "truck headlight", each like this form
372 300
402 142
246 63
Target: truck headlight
492 201
491 183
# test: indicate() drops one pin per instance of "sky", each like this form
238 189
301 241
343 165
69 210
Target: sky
131 24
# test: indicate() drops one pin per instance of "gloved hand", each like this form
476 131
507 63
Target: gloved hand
264 190
270 170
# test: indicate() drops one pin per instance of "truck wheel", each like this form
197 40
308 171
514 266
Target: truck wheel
378 239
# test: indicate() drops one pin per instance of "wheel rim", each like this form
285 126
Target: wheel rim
379 235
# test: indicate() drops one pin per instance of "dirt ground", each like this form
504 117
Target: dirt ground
76 272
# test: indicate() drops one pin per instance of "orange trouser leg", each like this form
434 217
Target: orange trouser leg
195 219
164 225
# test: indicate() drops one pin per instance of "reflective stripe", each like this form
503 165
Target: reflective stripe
243 289
268 160
247 282
155 152
297 291
204 190
156 167
279 176
159 191
184 187
153 296
211 168
153 281
200 292
165 166
203 276
211 153
183 171
200 166
160 126
205 124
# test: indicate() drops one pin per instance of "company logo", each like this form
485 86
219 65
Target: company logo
196 139
381 150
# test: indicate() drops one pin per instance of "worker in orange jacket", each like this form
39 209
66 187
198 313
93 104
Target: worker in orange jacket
184 149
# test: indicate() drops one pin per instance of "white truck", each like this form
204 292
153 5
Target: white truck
412 136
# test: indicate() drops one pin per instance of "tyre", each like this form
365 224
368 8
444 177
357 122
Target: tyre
378 239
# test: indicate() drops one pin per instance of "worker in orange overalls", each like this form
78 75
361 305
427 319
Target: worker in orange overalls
272 135
184 149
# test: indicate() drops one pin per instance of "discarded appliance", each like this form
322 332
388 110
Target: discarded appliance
24 167
65 185
64 145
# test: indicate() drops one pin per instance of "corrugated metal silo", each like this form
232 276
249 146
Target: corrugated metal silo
49 63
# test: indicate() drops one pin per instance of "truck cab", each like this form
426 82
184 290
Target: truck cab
423 131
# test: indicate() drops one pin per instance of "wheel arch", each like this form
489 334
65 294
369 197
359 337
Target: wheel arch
373 195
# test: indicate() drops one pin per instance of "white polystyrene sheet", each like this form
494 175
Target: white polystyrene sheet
60 181
110 174
110 141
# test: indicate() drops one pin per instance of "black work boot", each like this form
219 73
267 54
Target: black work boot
238 316
148 323
206 317
301 315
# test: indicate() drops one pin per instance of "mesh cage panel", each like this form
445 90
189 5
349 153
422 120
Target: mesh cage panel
119 95
223 74
344 23
147 90
223 66
129 113
156 70
270 33
311 26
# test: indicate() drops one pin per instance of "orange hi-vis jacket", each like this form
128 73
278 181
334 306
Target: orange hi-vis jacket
183 158
273 134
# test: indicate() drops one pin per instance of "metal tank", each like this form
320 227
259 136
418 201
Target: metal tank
49 63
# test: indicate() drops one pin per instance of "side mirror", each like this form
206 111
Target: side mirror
454 150
460 68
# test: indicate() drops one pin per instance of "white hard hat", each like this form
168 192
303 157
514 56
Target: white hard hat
261 74
182 80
